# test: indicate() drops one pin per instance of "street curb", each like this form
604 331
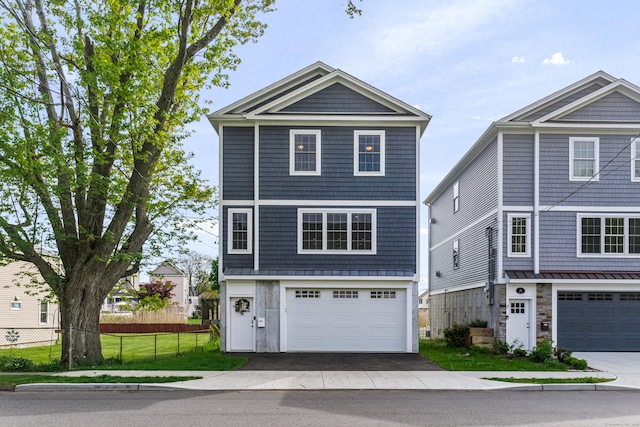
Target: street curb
131 387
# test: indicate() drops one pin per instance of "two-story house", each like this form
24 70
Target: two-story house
537 228
319 205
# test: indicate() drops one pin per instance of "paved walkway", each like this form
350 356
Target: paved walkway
624 368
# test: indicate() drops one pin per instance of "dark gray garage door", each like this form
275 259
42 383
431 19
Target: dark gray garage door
599 321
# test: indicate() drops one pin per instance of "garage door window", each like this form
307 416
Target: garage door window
307 294
600 297
630 297
345 294
383 294
569 296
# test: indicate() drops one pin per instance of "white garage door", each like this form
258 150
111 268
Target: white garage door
357 320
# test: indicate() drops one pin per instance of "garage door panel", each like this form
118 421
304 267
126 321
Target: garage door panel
348 321
599 321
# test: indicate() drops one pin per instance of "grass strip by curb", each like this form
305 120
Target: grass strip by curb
582 380
16 379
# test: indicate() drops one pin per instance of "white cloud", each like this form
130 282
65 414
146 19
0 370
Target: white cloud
517 60
556 59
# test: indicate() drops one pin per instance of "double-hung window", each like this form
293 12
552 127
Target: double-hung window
635 159
456 196
44 313
608 235
337 231
584 159
369 152
456 254
239 230
305 154
519 232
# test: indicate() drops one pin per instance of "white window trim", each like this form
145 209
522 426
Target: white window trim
40 313
634 158
527 252
596 161
356 152
456 196
230 249
292 152
349 250
603 254
18 304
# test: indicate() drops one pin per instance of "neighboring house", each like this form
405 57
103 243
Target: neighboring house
319 217
25 308
167 272
537 228
119 299
423 301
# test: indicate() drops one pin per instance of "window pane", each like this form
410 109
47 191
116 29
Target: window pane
519 235
361 232
614 235
240 230
456 255
305 153
44 311
337 231
583 159
369 153
634 235
590 235
312 231
635 161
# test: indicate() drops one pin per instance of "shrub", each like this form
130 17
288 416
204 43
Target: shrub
457 335
519 352
478 323
16 364
542 352
575 363
561 354
500 347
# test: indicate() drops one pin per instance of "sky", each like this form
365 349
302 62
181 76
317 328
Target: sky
467 63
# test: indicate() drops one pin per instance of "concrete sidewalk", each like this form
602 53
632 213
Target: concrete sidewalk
338 380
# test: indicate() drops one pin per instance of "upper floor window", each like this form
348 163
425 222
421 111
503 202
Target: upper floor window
369 157
456 196
519 232
339 230
16 304
456 254
304 152
584 159
635 159
239 231
609 235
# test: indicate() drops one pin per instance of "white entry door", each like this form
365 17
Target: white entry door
242 324
518 326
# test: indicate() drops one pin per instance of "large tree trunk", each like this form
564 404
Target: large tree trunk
80 318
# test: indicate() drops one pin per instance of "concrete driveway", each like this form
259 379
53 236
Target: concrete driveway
614 362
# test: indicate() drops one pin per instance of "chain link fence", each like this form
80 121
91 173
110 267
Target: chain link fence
43 346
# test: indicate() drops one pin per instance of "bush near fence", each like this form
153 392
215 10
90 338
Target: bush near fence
44 345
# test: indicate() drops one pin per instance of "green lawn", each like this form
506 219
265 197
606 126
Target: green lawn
15 379
583 380
477 359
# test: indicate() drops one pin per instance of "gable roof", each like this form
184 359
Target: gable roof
282 102
575 106
166 268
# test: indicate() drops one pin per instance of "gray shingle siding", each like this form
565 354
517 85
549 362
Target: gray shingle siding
337 98
518 170
473 248
565 101
615 107
478 196
337 181
396 242
558 250
237 169
614 187
279 94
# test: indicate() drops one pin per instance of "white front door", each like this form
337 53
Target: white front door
241 328
518 326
